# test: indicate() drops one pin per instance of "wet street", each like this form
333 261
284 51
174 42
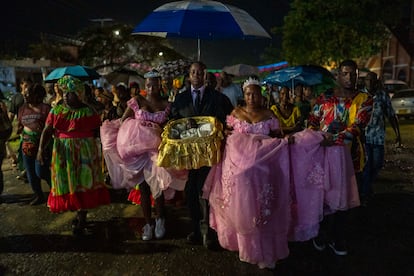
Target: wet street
34 241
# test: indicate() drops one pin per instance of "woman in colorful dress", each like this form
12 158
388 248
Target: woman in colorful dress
248 190
77 179
131 149
287 113
31 120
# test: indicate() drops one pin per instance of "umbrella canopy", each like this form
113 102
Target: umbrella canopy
124 75
200 19
241 70
78 71
308 75
174 68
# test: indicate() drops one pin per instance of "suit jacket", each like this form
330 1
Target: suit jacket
213 103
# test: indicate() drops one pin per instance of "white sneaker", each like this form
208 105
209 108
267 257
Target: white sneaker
147 232
160 228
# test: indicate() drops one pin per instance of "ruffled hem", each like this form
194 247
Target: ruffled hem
135 197
79 200
262 249
191 153
303 232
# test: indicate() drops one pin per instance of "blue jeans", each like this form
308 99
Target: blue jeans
35 172
375 162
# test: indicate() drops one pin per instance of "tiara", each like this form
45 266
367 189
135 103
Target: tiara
251 81
152 74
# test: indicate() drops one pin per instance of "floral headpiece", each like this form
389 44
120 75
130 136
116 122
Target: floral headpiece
73 85
251 81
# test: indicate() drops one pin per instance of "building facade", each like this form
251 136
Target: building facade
396 60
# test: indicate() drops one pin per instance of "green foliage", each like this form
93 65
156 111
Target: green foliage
49 50
114 46
322 32
271 54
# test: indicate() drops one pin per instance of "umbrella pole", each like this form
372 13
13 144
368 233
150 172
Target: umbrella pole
198 49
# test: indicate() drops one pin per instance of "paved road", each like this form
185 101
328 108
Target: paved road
34 241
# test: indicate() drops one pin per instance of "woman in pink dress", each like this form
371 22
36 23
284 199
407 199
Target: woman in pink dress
249 190
131 148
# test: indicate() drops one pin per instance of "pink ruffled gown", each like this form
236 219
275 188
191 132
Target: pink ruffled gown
307 160
340 186
323 182
131 149
248 193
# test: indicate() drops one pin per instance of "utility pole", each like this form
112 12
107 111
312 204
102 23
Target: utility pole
101 20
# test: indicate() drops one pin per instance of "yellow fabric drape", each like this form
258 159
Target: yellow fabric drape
191 153
356 104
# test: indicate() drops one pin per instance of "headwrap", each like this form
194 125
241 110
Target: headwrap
71 84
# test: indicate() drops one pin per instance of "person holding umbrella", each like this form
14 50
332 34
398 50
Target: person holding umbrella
199 100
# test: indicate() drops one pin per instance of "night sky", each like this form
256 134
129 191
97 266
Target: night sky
23 21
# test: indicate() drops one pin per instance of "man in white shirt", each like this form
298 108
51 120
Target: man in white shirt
228 88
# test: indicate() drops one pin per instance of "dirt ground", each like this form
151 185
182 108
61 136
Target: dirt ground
34 241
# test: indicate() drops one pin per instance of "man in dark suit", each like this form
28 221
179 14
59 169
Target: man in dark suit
200 100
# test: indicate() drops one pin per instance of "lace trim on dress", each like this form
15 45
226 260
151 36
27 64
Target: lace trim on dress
158 117
262 127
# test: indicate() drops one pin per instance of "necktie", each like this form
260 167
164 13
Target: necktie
197 101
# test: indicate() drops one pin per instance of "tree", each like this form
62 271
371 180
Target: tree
114 46
321 32
56 50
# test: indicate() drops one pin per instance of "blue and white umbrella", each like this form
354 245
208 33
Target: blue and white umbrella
308 75
200 19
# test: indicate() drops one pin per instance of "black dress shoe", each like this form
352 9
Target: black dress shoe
194 238
80 231
211 243
38 200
